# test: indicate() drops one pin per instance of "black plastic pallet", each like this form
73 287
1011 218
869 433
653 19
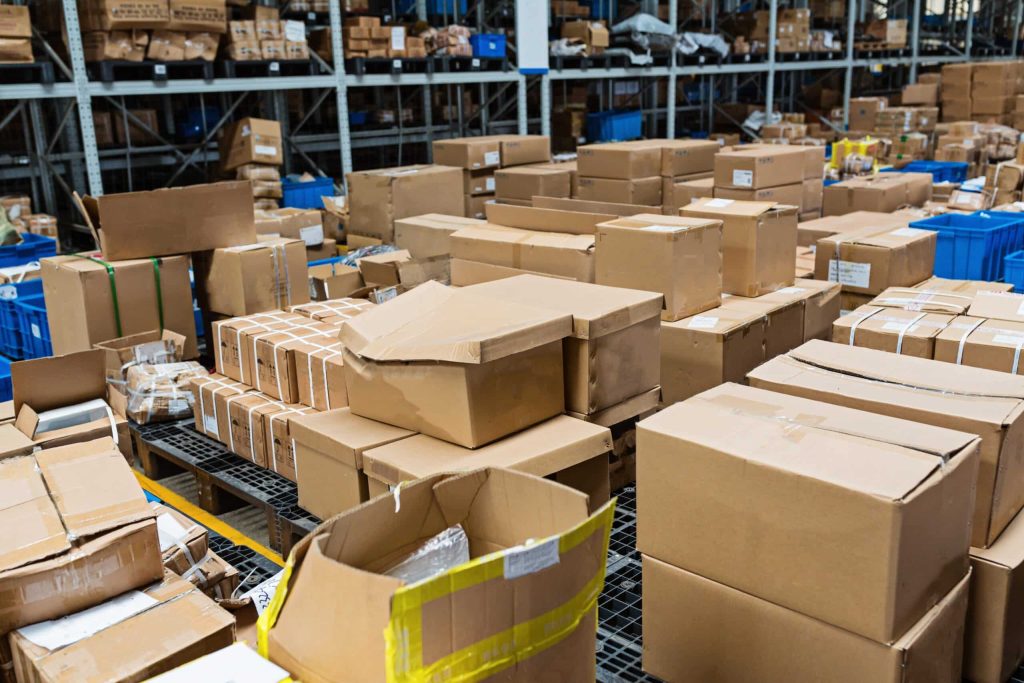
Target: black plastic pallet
119 70
293 524
264 68
619 662
360 66
253 568
33 72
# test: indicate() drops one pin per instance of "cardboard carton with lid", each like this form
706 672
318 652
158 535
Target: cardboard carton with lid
620 160
90 528
686 157
783 320
428 235
140 225
87 303
678 257
882 506
982 343
896 330
524 182
499 364
869 260
470 153
252 141
612 353
253 278
559 254
768 166
885 192
758 242
381 196
342 568
246 435
641 191
108 15
819 302
983 402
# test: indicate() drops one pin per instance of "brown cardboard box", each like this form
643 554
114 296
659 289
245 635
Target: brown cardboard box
246 436
252 141
525 182
183 543
580 220
687 157
476 205
982 343
202 45
869 260
254 278
329 451
680 258
334 280
271 355
499 510
80 300
334 311
913 299
818 302
100 46
210 419
242 31
382 269
153 347
297 224
566 450
277 436
465 273
198 15
429 235
873 485
91 528
792 195
591 33
16 51
970 399
397 346
804 262
719 345
900 331
179 625
956 109
107 15
809 232
612 353
233 357
767 166
478 182
642 191
469 153
884 193
319 371
517 150
789 646
620 160
758 242
863 110
378 198
676 193
558 254
166 46
611 209
171 221
920 93
328 248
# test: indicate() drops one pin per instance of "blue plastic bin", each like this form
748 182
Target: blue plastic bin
1013 270
32 248
942 171
971 247
5 380
357 118
35 329
11 343
306 195
488 44
606 126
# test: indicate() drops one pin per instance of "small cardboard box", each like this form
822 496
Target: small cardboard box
231 355
469 153
329 449
209 418
620 160
768 166
171 221
869 260
478 182
382 269
378 198
297 224
680 258
612 353
758 242
107 15
819 302
591 33
153 347
247 437
343 566
333 280
91 528
726 465
896 330
198 15
333 311
982 343
434 341
525 182
277 435
558 254
252 141
640 191
272 355
688 157
253 278
429 235
863 110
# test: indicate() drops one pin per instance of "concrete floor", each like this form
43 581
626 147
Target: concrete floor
248 520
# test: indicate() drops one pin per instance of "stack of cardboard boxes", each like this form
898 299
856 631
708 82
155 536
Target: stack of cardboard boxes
160 30
793 31
621 172
365 37
592 35
884 192
15 34
253 150
687 170
980 91
262 34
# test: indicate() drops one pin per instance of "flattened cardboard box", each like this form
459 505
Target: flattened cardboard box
436 341
428 235
982 343
981 402
869 260
784 645
883 509
612 353
559 254
380 197
896 330
253 278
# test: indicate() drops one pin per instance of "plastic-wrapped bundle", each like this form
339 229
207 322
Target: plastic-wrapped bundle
158 393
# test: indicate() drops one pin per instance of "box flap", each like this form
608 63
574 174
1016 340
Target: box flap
887 237
588 206
721 320
340 434
544 220
31 523
57 381
728 207
435 322
998 305
489 232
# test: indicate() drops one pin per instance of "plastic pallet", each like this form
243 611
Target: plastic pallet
619 662
253 568
619 607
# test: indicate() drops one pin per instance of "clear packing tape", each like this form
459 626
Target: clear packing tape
161 392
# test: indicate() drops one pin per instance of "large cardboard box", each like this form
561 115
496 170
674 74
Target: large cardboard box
559 254
252 141
498 364
172 220
694 627
640 191
563 449
863 110
612 353
792 195
687 157
233 338
620 160
87 304
428 235
378 198
297 224
253 278
198 16
764 166
341 569
869 260
470 153
920 93
885 193
72 516
896 330
809 232
982 343
819 302
329 449
168 624
758 242
107 15
981 402
525 182
517 150
862 521
681 258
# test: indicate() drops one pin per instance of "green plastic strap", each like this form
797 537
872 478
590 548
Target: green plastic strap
113 289
159 291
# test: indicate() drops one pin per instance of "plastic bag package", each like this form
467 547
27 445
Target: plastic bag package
158 393
446 550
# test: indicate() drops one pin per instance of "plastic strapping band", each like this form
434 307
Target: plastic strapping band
113 424
287 279
903 331
963 341
113 289
231 432
159 291
1016 355
252 440
277 276
853 328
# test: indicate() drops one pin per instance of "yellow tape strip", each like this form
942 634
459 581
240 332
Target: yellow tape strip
205 518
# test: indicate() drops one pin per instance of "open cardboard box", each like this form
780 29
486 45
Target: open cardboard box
153 347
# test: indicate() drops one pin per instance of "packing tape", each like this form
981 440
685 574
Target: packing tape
903 331
963 340
858 321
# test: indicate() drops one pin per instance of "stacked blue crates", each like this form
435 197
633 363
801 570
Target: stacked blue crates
5 380
306 195
35 328
32 248
942 171
613 125
1014 270
974 246
13 343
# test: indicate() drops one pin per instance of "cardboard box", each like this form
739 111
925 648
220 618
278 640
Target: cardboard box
79 295
429 235
198 15
573 219
169 623
91 528
171 221
396 346
591 33
517 150
271 355
166 46
297 224
108 15
676 194
900 331
884 193
809 232
611 209
246 436
641 191
981 343
183 543
334 280
818 305
232 357
469 153
758 242
478 182
326 249
612 353
524 182
475 206
679 605
863 110
687 157
869 260
768 166
620 160
277 435
680 258
559 254
499 510
792 195
252 141
920 93
871 489
378 198
209 393
253 278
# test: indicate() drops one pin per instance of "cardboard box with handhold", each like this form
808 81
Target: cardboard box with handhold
252 278
378 198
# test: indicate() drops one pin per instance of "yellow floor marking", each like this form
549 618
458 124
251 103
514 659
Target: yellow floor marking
205 518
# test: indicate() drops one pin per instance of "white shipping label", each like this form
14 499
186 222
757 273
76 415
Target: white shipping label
8 293
531 558
908 232
492 158
398 38
36 332
262 594
210 425
489 184
792 290
964 198
74 627
702 322
719 203
312 235
1010 339
178 406
294 31
899 327
169 531
664 228
741 178
266 151
849 273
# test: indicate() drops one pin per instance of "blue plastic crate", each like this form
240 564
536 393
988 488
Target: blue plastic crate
35 328
32 248
942 171
972 246
1013 270
11 342
606 126
197 313
5 380
488 44
357 118
306 195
